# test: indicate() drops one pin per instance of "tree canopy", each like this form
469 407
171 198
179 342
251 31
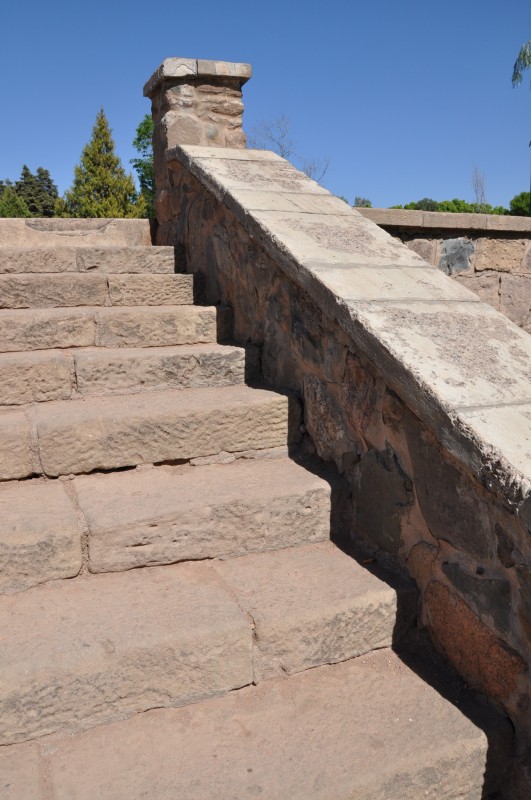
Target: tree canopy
523 62
101 187
11 205
143 166
38 191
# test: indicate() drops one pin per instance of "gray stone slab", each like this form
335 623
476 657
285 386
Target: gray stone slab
455 352
507 430
330 239
191 152
256 200
390 283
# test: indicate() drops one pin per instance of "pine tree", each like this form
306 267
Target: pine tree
47 191
11 205
101 186
38 191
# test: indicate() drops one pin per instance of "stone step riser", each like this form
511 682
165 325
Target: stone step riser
156 517
105 260
113 645
54 291
65 437
41 376
44 329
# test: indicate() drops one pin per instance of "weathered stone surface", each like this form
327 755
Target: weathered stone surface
110 432
507 432
15 452
315 735
455 255
154 327
40 539
109 371
490 596
112 260
151 290
484 660
178 68
425 248
42 329
310 606
21 773
503 255
448 501
160 516
515 299
110 646
48 290
487 287
34 377
381 494
59 232
37 259
308 203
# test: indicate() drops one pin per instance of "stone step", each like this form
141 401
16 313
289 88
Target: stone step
71 258
72 289
64 437
42 375
165 515
367 729
44 329
108 646
59 232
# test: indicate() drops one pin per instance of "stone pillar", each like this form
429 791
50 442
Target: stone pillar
193 102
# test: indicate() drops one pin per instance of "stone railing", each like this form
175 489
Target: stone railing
418 391
489 254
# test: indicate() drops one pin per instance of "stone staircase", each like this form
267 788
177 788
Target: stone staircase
254 657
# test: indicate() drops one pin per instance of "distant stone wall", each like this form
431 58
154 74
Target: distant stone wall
489 254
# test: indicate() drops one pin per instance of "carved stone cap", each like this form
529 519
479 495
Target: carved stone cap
182 68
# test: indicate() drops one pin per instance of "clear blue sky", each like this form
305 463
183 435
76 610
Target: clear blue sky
405 98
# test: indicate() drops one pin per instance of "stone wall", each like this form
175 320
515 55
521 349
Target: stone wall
417 391
491 255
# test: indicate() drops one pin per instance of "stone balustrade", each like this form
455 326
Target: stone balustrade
419 392
487 253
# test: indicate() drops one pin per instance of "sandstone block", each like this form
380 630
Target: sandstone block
40 539
110 432
154 327
41 329
49 290
15 451
367 729
109 371
139 519
20 773
515 299
310 606
37 259
59 232
112 260
33 377
151 290
502 255
111 646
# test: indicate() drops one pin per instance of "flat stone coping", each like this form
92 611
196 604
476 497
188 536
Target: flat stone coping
462 367
442 220
196 68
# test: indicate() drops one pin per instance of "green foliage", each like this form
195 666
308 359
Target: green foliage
143 144
455 206
11 205
101 186
522 63
362 202
520 205
38 191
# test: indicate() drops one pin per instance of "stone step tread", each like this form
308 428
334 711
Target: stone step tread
103 259
73 232
366 729
164 515
127 430
74 289
43 375
135 326
108 646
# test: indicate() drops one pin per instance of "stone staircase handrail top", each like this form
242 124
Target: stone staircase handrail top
177 68
461 366
445 220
